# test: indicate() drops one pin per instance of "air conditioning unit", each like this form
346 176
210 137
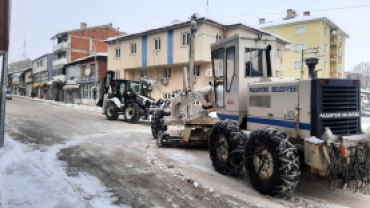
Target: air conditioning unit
288 47
209 72
164 80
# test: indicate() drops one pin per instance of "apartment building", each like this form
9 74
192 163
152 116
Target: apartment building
161 53
307 32
41 75
76 44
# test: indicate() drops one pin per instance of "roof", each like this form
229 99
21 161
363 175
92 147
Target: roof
299 20
84 29
46 54
87 57
200 20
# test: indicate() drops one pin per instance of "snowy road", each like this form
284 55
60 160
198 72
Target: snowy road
65 157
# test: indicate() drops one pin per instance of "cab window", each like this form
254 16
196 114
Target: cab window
218 62
257 62
136 88
230 67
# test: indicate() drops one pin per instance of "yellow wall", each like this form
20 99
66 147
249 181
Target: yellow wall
315 37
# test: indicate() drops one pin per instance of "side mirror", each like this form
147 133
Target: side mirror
210 83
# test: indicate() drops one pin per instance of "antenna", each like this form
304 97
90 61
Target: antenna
207 10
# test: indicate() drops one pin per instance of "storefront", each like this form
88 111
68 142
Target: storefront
40 88
72 93
87 88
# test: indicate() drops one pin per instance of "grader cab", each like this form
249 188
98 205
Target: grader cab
271 126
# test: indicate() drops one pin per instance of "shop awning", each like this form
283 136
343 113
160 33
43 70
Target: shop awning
75 86
37 84
50 82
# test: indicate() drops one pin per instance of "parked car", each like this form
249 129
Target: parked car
9 95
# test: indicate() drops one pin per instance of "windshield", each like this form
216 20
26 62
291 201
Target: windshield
257 63
218 62
136 87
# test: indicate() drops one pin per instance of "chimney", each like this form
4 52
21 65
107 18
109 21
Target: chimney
83 25
262 21
306 13
290 14
110 24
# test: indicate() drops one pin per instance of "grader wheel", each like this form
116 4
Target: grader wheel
226 148
272 162
156 123
112 111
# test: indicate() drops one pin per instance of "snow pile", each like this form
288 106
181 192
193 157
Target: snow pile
32 177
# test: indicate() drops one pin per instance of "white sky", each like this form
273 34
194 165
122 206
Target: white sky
38 20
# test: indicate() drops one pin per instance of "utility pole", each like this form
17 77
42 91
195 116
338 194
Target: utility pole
4 47
193 27
96 74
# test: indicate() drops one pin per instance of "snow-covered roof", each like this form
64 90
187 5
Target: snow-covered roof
300 20
84 29
365 91
200 20
87 57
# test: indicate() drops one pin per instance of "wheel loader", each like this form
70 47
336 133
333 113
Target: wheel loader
126 97
271 126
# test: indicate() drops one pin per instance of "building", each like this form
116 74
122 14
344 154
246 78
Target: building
306 31
15 83
81 76
162 53
41 74
27 74
75 44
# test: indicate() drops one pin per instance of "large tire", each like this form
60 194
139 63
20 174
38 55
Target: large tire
226 148
272 162
131 113
112 111
156 123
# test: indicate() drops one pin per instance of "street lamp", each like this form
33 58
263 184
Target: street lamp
311 63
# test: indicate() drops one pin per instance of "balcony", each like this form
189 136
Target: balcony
333 57
333 74
61 46
60 62
59 78
334 41
340 59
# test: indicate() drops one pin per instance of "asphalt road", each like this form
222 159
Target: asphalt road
127 161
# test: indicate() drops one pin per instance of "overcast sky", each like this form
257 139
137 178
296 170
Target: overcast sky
38 20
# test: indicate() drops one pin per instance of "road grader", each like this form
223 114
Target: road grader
271 126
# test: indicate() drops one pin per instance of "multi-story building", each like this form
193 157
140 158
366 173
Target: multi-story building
307 32
162 53
41 75
15 83
75 44
81 75
27 74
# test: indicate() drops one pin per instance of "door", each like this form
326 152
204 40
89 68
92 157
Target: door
87 94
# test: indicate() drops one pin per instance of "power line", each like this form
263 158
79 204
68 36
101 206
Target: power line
313 10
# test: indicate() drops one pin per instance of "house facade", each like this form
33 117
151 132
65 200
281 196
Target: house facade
41 74
82 76
162 53
27 74
15 87
308 32
76 44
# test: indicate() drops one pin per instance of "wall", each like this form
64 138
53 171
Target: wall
28 77
36 69
102 68
73 71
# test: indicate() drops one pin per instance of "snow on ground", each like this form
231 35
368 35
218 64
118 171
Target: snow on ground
32 177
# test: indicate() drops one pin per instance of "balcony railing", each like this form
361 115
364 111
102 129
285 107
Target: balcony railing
61 61
334 41
333 57
62 46
61 78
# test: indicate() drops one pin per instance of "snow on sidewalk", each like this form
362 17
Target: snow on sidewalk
34 178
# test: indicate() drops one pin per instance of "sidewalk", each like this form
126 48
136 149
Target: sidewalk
90 107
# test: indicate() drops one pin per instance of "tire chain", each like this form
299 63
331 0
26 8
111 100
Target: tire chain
289 173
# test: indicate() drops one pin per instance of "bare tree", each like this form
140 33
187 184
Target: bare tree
362 72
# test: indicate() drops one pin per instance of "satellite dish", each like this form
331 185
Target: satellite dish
334 32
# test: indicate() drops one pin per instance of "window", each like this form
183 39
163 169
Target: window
117 75
277 54
299 47
166 96
185 39
219 37
41 63
144 73
197 102
230 67
297 64
272 32
197 70
326 65
167 72
38 64
257 62
118 52
157 44
93 70
326 30
133 48
300 30
326 47
218 62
